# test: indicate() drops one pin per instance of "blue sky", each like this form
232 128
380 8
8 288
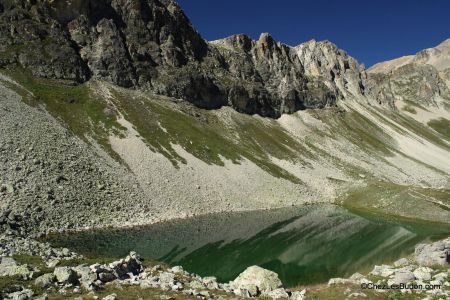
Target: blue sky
369 30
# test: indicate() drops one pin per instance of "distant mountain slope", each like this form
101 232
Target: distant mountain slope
418 80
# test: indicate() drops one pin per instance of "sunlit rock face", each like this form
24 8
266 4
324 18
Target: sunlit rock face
422 79
151 44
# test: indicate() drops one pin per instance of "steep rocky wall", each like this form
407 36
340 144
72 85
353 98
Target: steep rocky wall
152 45
419 79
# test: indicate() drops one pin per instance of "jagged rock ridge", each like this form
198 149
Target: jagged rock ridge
152 45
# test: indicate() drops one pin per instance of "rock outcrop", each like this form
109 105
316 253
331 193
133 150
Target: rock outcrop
421 79
437 253
152 45
256 281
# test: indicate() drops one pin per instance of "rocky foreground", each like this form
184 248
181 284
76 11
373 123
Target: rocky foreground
34 270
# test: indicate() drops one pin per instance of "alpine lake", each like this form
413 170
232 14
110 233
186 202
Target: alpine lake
304 245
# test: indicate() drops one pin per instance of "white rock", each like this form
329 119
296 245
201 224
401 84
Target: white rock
277 294
263 279
423 273
433 254
357 295
401 262
334 281
177 269
401 276
298 295
383 271
110 297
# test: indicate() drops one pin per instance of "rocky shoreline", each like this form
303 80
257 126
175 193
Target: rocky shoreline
426 275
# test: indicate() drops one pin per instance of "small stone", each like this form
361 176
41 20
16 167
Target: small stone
110 297
177 269
357 295
298 295
7 188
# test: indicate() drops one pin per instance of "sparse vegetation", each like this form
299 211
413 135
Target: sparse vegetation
410 109
442 126
202 134
85 115
387 198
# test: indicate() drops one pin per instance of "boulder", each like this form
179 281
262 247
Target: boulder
9 267
401 262
263 279
437 253
22 295
45 280
298 295
250 290
177 269
383 271
167 279
402 276
106 276
279 293
210 282
130 264
86 276
423 273
65 275
110 297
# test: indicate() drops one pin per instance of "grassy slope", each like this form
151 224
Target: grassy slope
211 137
85 115
398 200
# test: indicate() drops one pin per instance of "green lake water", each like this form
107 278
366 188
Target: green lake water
303 245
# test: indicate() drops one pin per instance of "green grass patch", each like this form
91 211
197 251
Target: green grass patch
360 131
442 126
203 134
419 129
410 109
34 261
408 202
76 106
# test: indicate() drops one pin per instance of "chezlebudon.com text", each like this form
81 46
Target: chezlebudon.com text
401 286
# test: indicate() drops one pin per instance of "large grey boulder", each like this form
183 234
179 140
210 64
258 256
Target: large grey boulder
9 267
86 276
437 253
65 275
23 294
45 280
129 265
254 276
167 279
423 273
402 276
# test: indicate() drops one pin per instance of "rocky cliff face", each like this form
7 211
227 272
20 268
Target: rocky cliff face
421 79
150 44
